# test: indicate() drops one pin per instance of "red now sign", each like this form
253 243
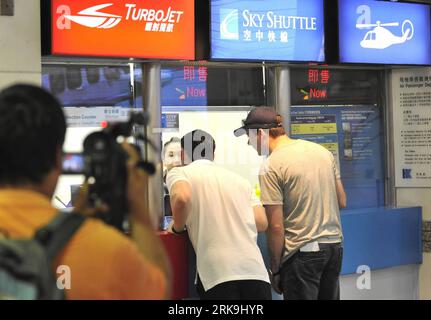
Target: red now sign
154 29
318 94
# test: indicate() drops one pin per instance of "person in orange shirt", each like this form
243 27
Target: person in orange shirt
103 263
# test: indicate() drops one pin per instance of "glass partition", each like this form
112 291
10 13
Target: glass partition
215 99
341 109
91 95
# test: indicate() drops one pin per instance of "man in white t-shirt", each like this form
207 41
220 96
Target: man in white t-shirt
222 219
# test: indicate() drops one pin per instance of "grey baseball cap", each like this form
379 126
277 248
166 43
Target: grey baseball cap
259 118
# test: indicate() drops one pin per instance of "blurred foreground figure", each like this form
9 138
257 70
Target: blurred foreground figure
103 263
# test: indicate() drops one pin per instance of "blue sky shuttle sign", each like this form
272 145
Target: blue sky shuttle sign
279 30
384 32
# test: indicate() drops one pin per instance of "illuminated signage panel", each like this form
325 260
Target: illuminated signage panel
384 32
280 30
122 28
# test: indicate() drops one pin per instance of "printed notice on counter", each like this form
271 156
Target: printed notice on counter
352 134
93 117
314 124
170 122
411 91
352 128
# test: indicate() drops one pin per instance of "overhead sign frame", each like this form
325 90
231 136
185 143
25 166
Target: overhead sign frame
150 29
369 32
263 30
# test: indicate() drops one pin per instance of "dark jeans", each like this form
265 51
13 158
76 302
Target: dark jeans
313 275
236 290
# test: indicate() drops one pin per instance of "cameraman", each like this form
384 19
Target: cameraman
104 263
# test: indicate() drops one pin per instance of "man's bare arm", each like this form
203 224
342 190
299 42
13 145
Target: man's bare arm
180 203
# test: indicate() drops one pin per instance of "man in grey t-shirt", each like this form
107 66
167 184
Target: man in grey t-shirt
302 193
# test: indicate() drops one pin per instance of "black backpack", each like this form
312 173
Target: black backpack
26 264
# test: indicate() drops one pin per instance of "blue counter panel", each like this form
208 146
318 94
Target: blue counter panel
381 237
377 237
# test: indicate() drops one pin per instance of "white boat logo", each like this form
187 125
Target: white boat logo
229 24
381 38
92 18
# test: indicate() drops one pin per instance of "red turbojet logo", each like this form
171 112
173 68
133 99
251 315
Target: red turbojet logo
93 18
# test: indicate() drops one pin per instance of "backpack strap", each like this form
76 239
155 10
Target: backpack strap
56 234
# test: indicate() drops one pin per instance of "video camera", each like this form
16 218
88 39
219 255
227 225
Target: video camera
104 164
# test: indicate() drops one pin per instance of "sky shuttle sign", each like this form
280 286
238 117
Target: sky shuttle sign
384 32
281 30
158 29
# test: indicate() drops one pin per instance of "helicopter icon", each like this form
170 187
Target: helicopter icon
382 38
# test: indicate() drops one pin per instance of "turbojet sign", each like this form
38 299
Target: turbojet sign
291 30
147 29
93 17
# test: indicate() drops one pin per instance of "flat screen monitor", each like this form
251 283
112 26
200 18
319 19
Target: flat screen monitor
143 29
259 30
383 32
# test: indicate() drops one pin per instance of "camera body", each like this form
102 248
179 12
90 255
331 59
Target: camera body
105 167
104 164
